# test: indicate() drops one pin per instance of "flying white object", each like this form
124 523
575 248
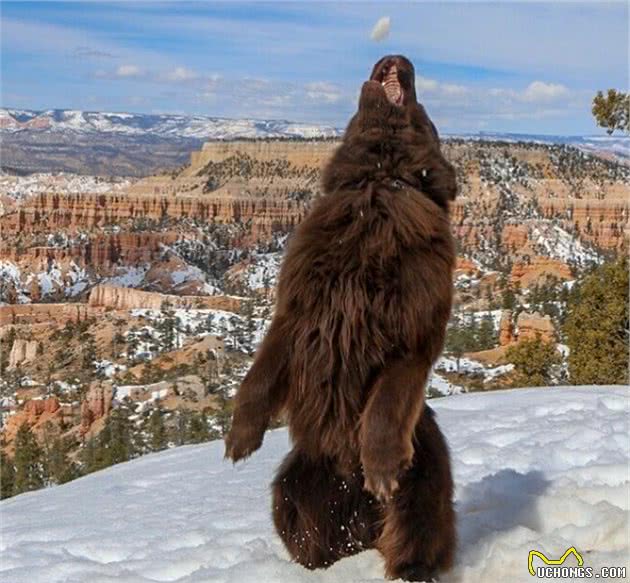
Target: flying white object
381 29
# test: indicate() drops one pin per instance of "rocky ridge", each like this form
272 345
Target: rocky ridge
172 276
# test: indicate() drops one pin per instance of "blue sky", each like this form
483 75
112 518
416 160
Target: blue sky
526 66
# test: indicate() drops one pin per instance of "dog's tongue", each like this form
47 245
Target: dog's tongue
391 85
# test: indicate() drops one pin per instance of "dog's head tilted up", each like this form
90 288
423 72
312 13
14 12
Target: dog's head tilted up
391 138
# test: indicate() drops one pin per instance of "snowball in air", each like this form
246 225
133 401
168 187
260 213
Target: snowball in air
381 29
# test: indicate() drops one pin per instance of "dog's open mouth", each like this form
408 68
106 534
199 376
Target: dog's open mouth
393 90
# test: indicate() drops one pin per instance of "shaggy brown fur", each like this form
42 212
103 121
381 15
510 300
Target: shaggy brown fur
362 303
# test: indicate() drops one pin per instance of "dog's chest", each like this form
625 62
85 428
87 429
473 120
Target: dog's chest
363 259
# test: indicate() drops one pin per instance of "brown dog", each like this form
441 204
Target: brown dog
363 299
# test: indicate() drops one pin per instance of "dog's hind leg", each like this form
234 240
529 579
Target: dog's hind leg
321 516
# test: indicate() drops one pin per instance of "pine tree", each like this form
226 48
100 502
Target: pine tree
118 338
157 430
92 456
88 351
211 371
534 361
533 298
125 442
181 431
455 341
471 333
247 311
486 336
7 476
612 111
168 327
597 326
29 470
223 416
133 344
118 442
205 366
198 430
59 468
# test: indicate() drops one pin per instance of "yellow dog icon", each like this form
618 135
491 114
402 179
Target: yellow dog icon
571 550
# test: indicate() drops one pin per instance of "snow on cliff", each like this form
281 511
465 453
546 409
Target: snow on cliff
542 469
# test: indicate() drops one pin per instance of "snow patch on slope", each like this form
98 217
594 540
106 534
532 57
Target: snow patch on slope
553 241
21 187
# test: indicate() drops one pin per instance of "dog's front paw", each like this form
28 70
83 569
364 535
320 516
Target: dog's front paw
242 441
383 470
382 486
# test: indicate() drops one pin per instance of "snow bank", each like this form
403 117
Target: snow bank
540 469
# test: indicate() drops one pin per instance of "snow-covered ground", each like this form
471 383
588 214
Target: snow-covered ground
440 386
20 187
70 280
542 469
469 366
234 328
552 241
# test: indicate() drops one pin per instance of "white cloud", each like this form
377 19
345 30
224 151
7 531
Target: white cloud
317 101
535 92
423 84
476 107
323 91
126 71
426 85
539 91
177 74
180 74
254 84
381 29
276 101
452 89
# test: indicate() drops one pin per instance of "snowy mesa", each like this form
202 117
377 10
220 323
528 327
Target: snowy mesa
543 468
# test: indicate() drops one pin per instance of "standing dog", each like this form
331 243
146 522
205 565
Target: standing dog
363 299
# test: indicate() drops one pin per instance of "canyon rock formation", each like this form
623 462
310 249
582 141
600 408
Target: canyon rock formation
22 351
124 298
